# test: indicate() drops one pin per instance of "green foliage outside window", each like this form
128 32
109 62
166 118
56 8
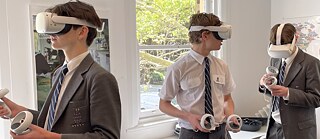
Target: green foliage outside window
161 22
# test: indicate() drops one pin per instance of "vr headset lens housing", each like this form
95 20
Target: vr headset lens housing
217 36
222 32
51 23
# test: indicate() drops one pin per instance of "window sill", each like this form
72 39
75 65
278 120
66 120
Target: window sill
154 121
157 127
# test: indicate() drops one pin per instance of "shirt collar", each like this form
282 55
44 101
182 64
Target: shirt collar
199 58
75 62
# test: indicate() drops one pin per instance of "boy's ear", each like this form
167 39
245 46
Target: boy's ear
297 36
83 32
204 34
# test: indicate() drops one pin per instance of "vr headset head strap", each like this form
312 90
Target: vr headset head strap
51 23
222 32
70 20
278 35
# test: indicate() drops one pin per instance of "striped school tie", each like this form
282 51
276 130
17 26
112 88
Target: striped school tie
55 96
281 81
208 98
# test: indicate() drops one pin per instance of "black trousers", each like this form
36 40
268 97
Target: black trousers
276 131
219 133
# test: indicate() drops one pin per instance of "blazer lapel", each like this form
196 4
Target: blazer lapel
73 85
295 67
44 111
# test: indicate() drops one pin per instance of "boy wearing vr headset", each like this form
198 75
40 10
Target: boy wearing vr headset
297 92
87 105
185 80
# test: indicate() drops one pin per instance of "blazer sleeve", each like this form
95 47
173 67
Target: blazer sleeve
261 88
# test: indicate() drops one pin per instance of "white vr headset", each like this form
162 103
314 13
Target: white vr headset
223 31
281 51
51 23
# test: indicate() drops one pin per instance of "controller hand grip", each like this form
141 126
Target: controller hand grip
6 107
271 79
233 126
207 122
21 122
3 92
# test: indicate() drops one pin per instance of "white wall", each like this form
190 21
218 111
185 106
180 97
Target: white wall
4 57
16 56
284 9
247 51
287 9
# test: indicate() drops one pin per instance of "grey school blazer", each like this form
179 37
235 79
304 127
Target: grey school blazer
90 107
298 113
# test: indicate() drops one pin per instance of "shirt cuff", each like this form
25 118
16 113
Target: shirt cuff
286 97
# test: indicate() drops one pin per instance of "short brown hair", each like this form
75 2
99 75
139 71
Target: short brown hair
81 11
287 34
202 19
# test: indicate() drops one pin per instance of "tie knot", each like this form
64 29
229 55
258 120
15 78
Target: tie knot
64 69
284 63
206 59
283 66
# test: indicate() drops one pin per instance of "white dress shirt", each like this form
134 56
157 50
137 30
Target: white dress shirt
185 81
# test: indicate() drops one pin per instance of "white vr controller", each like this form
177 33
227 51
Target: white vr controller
232 125
3 92
21 122
271 80
207 122
211 125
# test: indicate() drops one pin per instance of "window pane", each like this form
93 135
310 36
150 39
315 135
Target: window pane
163 22
153 66
162 25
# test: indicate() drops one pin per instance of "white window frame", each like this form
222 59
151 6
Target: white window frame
209 6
